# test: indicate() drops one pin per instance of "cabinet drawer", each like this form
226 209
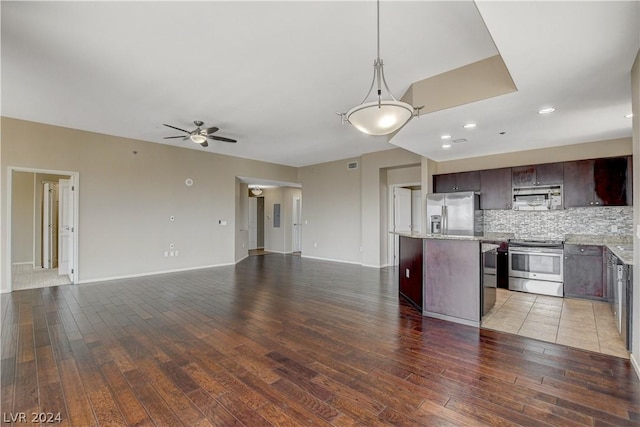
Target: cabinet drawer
590 250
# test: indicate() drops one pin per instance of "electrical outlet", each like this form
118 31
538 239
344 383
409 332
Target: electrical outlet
171 253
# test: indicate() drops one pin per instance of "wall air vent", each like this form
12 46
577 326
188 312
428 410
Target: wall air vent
352 165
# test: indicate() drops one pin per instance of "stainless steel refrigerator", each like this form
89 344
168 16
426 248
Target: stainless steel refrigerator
455 214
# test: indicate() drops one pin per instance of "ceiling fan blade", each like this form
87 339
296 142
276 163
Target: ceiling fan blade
211 130
173 127
222 138
205 144
169 137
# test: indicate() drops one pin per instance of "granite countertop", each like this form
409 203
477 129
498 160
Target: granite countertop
486 247
615 244
436 236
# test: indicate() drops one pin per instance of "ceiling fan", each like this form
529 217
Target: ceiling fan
199 136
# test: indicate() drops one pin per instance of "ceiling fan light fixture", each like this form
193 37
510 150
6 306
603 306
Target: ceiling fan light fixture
197 138
256 191
382 116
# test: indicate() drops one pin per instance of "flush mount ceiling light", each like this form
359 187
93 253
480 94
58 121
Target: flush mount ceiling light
546 110
446 145
469 126
382 116
256 191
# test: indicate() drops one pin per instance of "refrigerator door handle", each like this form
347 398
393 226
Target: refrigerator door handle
445 220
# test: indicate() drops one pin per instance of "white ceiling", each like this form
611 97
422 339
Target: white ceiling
273 74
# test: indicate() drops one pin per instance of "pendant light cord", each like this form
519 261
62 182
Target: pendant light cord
378 28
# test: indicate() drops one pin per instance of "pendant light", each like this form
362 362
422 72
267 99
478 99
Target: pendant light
381 116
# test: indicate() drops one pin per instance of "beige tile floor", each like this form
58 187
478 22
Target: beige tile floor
24 276
573 322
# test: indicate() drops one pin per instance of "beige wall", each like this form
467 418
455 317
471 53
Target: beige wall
635 101
331 213
404 175
126 199
590 150
374 201
22 211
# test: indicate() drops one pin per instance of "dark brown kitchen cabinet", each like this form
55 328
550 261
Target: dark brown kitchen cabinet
583 272
543 174
455 182
597 182
495 189
410 270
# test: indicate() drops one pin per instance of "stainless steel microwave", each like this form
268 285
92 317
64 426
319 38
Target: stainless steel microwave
538 198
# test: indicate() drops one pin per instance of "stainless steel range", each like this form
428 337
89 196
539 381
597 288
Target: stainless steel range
536 266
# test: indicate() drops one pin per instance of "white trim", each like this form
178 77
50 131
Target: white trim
243 258
635 365
153 273
332 260
372 266
25 263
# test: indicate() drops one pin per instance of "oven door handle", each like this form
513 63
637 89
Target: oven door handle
516 252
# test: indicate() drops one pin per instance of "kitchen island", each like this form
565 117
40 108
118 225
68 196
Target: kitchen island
442 275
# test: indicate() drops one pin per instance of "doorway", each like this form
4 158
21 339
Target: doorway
42 228
405 216
256 225
296 232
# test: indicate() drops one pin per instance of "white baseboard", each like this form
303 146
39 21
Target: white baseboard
332 260
153 273
23 263
372 266
635 365
243 258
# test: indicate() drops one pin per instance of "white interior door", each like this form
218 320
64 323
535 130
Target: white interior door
66 230
401 216
297 219
46 226
416 211
253 223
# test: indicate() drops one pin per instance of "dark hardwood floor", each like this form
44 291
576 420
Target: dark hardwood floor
283 340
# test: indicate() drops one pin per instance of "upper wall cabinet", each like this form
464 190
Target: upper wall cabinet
455 182
495 189
597 182
544 174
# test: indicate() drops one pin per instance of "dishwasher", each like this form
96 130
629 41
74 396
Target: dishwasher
621 296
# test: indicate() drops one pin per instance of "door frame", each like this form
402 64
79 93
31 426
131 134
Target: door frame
296 242
8 271
392 239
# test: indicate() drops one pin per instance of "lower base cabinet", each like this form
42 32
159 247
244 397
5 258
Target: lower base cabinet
584 275
410 270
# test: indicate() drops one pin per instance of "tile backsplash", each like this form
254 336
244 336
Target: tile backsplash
556 224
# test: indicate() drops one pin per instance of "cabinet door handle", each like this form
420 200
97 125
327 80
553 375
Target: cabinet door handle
597 203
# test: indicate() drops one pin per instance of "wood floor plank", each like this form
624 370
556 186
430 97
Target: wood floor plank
283 340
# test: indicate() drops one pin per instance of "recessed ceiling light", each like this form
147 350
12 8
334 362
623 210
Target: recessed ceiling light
469 126
445 137
446 146
628 116
546 110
